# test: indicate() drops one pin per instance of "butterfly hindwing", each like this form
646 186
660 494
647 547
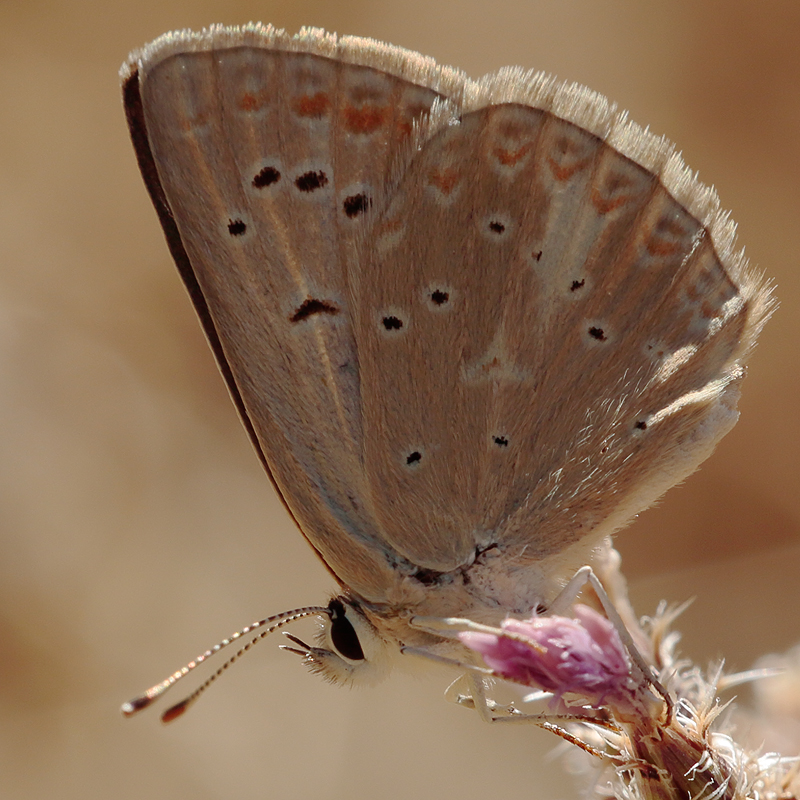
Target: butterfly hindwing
576 330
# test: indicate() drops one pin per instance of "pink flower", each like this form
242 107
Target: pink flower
582 656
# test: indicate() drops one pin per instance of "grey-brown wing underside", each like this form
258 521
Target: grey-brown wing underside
264 158
578 332
518 332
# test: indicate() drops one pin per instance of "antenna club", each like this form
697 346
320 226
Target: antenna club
175 711
137 704
268 625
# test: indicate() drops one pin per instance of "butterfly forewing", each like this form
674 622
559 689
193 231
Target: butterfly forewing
271 161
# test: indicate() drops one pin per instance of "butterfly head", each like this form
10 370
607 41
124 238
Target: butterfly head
349 648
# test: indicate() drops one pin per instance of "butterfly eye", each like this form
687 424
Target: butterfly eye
343 635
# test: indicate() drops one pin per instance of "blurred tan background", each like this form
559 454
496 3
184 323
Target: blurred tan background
137 527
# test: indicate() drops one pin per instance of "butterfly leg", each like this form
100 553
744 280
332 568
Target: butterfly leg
492 712
473 696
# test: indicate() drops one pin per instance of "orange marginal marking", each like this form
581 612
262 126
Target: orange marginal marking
189 125
670 227
661 247
510 158
312 105
605 204
603 199
250 101
567 150
392 225
566 171
658 244
444 180
366 119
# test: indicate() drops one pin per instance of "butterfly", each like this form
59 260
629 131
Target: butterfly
472 328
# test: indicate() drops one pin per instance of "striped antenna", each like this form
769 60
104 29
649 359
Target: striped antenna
269 625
